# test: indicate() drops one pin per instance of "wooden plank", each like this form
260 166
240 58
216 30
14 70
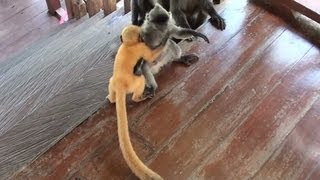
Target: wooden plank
60 161
79 8
303 9
73 27
315 174
93 7
250 145
109 161
127 6
68 4
55 104
29 18
18 43
298 155
76 157
53 5
109 6
8 9
311 4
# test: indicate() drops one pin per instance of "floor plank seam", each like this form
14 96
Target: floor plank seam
30 5
144 141
215 147
284 141
59 138
149 104
254 58
91 156
313 171
210 150
113 140
26 33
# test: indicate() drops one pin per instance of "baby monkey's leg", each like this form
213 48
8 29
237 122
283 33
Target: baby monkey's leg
138 88
112 93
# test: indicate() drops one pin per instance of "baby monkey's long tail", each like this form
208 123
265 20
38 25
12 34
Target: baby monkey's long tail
133 161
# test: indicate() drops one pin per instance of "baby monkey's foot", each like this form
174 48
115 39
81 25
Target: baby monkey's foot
149 92
110 99
188 59
138 99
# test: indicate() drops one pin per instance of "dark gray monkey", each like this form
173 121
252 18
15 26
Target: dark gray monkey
192 13
139 8
186 13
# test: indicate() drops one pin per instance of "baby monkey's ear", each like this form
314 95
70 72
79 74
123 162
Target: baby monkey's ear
121 39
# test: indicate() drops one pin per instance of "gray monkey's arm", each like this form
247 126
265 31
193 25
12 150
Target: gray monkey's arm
216 19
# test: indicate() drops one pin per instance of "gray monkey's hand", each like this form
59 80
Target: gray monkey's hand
188 59
218 22
204 37
149 92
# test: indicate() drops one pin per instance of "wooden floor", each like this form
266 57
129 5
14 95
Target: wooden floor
32 16
248 109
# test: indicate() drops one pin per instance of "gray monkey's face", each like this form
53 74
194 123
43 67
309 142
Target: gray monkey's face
155 29
153 38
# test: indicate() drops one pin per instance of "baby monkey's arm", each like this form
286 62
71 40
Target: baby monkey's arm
149 54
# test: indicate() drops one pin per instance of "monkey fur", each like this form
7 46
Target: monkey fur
139 9
192 13
123 82
186 13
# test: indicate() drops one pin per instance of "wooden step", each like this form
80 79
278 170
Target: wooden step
53 86
65 30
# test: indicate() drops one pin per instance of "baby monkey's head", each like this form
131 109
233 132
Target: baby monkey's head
130 35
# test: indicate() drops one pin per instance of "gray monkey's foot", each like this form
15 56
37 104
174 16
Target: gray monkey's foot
188 59
218 22
149 92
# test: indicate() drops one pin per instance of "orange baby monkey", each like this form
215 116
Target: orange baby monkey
124 82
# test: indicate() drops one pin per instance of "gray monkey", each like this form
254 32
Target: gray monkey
157 30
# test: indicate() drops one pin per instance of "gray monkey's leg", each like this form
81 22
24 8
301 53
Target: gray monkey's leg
188 59
150 80
176 54
151 84
171 52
